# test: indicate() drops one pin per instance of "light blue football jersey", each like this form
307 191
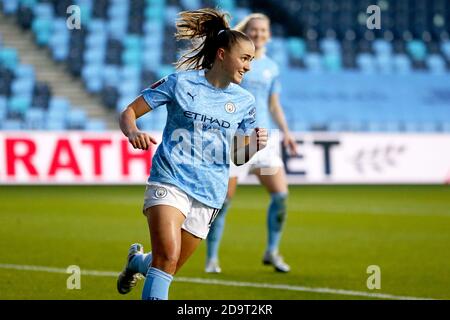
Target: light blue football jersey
262 81
194 153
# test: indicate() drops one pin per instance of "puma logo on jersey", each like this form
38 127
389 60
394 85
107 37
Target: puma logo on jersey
190 95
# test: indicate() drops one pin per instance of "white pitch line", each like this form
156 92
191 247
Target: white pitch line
228 283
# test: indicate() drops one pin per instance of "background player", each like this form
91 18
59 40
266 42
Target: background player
263 83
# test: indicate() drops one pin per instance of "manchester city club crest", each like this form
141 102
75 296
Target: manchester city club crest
230 107
160 192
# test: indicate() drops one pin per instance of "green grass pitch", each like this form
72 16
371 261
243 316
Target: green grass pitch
332 235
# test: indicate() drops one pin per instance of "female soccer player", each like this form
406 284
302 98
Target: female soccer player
188 181
263 83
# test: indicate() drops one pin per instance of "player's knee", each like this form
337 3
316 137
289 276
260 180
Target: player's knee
165 261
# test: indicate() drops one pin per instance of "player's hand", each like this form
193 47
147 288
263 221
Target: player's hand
141 140
262 136
290 144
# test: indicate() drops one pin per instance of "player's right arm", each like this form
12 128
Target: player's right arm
127 122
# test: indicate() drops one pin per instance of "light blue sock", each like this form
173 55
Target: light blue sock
215 232
141 263
156 286
276 216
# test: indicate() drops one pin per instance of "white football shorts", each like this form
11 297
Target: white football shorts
199 217
268 158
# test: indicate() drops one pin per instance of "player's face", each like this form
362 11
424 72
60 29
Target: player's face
259 31
236 61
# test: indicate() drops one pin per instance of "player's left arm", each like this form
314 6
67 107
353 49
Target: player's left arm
278 116
245 147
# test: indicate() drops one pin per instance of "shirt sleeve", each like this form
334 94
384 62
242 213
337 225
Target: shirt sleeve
161 92
248 124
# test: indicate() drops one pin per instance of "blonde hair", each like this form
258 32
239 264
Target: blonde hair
208 30
243 24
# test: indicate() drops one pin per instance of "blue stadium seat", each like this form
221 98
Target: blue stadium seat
384 63
171 14
11 124
60 26
111 76
60 48
445 47
94 56
154 13
417 49
10 6
97 26
402 64
332 62
76 119
132 42
366 63
296 47
28 3
130 73
338 126
25 71
153 28
3 108
55 124
446 127
151 59
19 105
23 87
130 88
300 126
436 64
92 77
117 29
85 12
95 125
382 47
132 58
239 14
355 125
313 62
96 40
330 45
42 29
59 104
55 115
8 58
35 119
191 4
43 10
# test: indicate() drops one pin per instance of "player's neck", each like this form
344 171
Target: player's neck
215 77
260 52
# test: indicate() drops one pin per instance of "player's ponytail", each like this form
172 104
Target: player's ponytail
208 30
